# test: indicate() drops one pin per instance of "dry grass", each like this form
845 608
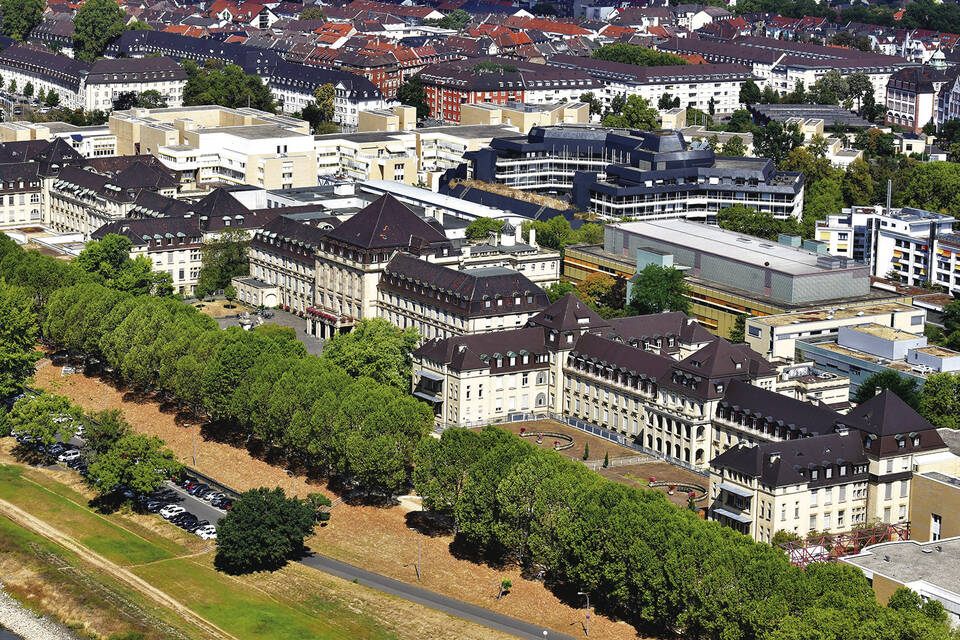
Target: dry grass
638 475
220 308
373 537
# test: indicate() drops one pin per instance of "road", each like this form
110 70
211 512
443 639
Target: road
204 511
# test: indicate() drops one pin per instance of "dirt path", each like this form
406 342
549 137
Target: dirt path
40 527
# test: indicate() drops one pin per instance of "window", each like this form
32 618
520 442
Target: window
890 467
903 488
887 491
840 518
886 515
842 493
903 512
935 521
813 522
814 496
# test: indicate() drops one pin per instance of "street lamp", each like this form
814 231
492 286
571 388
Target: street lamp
584 593
291 474
419 549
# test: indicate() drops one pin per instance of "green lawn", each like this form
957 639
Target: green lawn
249 613
66 510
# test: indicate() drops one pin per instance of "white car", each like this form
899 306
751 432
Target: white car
69 455
171 510
213 494
207 533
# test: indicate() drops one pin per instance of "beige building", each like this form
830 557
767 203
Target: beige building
775 336
524 117
505 249
282 265
89 142
391 119
805 382
208 144
368 156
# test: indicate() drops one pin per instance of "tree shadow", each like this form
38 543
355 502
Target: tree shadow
107 503
28 455
463 549
430 523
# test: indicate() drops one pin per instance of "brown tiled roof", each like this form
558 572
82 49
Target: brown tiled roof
384 224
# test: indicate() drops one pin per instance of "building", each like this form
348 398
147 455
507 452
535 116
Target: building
913 246
352 257
713 88
927 568
807 383
213 144
731 274
861 350
372 155
582 260
638 174
21 191
448 85
441 302
507 250
171 244
282 259
82 85
93 141
912 96
776 336
851 470
524 116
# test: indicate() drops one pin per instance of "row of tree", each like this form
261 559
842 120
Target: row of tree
640 558
96 24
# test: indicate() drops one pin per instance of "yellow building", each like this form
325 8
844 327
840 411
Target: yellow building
525 116
395 118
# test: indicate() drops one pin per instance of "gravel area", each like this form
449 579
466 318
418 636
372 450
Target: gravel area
313 344
25 623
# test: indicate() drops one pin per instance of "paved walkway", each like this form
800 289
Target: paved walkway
285 319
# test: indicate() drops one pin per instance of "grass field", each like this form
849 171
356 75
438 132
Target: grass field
291 604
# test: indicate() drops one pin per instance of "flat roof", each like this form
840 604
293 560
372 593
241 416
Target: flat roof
472 130
831 345
939 352
739 247
882 331
598 251
254 131
936 563
430 198
841 313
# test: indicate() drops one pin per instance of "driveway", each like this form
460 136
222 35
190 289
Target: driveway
285 319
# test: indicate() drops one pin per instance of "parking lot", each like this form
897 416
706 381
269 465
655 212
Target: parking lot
175 501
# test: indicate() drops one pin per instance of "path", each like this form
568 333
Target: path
40 527
432 599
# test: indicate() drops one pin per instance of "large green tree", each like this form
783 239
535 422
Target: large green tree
324 96
103 429
748 220
18 337
47 418
934 186
733 147
906 388
480 228
633 54
108 260
96 24
376 349
636 114
776 141
940 400
657 289
858 183
441 468
261 531
749 93
225 85
20 16
412 94
223 259
137 461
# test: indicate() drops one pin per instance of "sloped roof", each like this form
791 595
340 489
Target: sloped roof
139 175
385 223
885 414
569 313
220 203
464 353
808 418
658 325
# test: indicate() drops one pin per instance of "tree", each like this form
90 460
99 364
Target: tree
748 220
441 467
139 462
223 259
262 530
859 85
320 504
596 107
633 54
103 429
543 9
456 19
822 198
41 96
858 183
606 459
596 287
108 260
229 293
96 23
934 186
480 228
412 94
557 290
734 147
668 102
775 141
324 96
505 586
225 85
738 333
28 89
657 289
18 336
740 121
782 536
749 93
53 99
636 114
586 451
313 12
21 16
905 388
46 418
376 349
151 99
940 400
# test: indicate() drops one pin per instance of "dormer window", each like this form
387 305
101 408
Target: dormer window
916 441
901 444
814 474
867 443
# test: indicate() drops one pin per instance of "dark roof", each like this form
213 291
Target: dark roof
140 175
619 355
658 325
464 353
475 286
109 71
22 151
720 358
289 229
789 462
385 224
569 313
26 171
57 154
219 203
142 231
112 165
44 63
808 418
148 203
670 74
885 414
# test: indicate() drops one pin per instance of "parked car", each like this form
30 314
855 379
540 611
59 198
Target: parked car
207 533
200 524
186 481
171 510
194 490
210 495
153 506
69 455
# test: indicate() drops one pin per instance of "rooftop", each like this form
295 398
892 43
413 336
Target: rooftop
829 113
738 246
835 313
884 332
907 561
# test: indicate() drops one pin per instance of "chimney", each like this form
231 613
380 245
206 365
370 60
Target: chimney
533 237
773 457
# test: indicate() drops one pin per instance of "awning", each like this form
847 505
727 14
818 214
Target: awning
732 516
427 396
746 493
430 376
